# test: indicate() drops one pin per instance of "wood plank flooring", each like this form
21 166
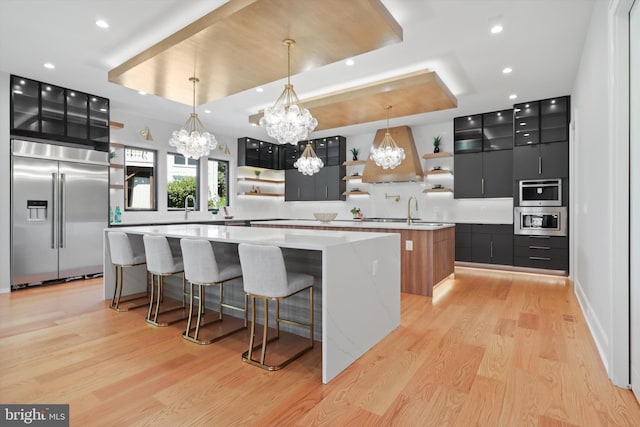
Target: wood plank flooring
489 349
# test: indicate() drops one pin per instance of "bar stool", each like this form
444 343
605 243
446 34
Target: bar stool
161 263
122 256
201 269
265 277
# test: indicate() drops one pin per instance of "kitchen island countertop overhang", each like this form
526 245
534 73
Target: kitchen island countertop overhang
360 279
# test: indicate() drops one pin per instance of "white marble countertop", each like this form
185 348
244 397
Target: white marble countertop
360 224
287 238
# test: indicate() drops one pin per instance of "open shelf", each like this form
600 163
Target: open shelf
116 186
269 181
115 166
350 177
438 172
437 190
351 193
261 194
436 155
354 162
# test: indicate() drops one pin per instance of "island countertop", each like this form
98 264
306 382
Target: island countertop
387 225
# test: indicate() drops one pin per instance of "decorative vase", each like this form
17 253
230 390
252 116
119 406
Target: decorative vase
436 149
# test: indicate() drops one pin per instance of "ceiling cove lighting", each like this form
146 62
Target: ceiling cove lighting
287 120
308 163
387 154
193 140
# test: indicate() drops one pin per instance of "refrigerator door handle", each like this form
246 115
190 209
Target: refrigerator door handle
54 183
62 216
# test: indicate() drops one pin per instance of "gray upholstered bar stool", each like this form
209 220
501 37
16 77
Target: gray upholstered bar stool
161 263
265 277
201 269
122 256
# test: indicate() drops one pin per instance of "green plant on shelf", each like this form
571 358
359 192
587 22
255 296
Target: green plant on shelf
436 143
355 152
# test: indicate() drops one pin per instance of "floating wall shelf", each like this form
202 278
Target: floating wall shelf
436 155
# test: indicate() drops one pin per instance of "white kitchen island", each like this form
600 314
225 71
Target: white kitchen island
357 273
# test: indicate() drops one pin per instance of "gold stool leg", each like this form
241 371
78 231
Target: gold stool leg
253 326
151 298
160 297
186 332
115 299
265 329
199 318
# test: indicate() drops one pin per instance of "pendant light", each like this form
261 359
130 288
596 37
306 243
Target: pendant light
308 163
287 120
193 140
387 154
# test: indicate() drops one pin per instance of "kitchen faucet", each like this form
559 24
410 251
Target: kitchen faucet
409 208
186 206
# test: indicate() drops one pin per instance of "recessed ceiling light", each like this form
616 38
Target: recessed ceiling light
496 29
507 70
349 62
102 23
207 111
513 96
259 90
141 92
49 65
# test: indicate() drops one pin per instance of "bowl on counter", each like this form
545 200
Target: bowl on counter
325 217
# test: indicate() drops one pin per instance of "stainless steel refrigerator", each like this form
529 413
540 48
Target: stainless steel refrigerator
59 198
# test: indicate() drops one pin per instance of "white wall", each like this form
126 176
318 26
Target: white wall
5 185
595 200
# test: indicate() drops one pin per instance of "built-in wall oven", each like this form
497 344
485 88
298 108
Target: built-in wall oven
540 192
540 221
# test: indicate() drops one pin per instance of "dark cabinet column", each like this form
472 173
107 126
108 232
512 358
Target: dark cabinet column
467 175
497 172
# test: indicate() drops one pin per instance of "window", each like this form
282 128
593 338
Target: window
217 183
183 180
139 179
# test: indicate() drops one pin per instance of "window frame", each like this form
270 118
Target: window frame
154 186
228 165
198 177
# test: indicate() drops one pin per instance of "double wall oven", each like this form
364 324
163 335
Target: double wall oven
540 211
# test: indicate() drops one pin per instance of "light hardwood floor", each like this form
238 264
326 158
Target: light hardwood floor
490 349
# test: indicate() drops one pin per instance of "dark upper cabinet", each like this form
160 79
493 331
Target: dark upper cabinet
554 120
47 111
526 123
497 130
289 155
260 154
541 161
497 169
487 174
467 175
331 150
467 134
542 121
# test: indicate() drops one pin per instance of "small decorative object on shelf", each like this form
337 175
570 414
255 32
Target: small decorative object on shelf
117 216
357 215
436 143
436 186
257 173
355 152
436 168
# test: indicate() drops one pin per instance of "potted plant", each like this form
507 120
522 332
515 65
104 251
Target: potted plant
215 203
355 152
436 143
357 215
257 173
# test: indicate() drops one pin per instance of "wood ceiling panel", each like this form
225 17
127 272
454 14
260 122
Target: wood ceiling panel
239 46
414 93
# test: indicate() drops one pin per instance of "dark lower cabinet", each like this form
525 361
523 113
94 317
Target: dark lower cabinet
485 174
548 252
485 243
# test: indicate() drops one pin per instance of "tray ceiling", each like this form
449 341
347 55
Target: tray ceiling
408 94
238 46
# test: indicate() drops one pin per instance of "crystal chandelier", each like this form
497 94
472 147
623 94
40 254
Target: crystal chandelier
193 140
287 120
387 154
308 163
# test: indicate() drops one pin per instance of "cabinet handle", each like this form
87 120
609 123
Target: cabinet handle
482 186
539 165
298 192
326 191
492 249
539 247
54 180
539 237
539 258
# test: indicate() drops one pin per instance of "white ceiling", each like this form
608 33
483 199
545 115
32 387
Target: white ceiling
542 41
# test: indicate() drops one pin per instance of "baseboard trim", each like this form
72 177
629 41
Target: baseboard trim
598 333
